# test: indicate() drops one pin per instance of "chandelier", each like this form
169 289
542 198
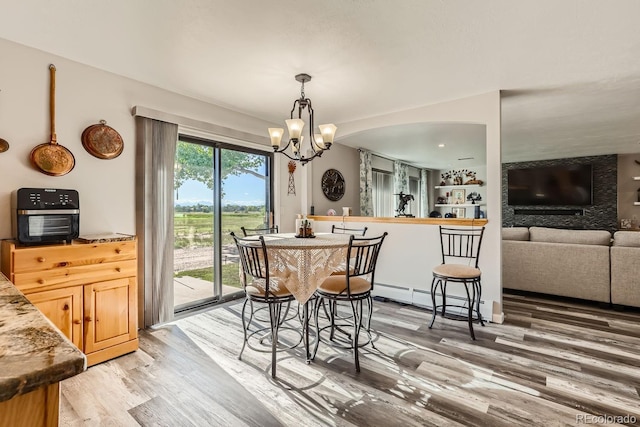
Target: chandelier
318 142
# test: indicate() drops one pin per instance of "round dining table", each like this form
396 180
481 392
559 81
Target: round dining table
304 263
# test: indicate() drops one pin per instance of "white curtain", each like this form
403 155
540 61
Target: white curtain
155 161
382 194
400 177
424 199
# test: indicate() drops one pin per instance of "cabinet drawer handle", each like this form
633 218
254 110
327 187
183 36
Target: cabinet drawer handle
118 269
63 264
88 319
41 281
118 250
41 259
77 322
66 307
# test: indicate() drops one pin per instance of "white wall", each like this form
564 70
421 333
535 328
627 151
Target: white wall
482 109
84 96
347 161
408 254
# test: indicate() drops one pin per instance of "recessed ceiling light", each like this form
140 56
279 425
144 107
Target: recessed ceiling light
441 145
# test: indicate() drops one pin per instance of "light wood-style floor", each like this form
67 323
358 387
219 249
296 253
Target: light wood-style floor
550 363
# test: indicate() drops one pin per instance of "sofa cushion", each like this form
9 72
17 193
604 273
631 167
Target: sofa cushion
515 233
558 235
626 238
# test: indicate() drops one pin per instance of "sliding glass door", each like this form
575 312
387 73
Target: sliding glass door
219 188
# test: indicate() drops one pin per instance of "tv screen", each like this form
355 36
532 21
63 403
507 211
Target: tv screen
555 185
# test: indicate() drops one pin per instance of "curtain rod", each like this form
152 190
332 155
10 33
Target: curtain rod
389 158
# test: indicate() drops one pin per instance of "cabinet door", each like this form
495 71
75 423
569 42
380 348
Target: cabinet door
110 313
64 308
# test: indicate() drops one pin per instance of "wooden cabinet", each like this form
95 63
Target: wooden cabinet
88 290
64 308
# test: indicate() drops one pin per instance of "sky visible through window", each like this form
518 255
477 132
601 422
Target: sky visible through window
243 189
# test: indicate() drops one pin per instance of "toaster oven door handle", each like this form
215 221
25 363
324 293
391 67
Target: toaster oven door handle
48 211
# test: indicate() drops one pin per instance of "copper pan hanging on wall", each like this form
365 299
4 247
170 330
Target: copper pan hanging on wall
52 158
102 141
4 145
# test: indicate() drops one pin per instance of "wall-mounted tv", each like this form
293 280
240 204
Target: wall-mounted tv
570 185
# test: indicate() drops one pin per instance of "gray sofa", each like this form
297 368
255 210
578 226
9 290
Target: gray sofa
570 263
625 268
584 264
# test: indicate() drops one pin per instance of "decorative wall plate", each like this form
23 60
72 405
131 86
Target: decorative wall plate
102 141
333 185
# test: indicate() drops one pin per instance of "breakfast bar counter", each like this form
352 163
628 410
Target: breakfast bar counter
411 250
34 357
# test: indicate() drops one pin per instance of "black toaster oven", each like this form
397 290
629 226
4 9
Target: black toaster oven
45 215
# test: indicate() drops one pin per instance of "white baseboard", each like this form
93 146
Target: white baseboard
422 298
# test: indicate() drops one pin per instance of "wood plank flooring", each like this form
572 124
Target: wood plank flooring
550 363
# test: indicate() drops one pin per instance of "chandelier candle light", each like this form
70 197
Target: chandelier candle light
318 142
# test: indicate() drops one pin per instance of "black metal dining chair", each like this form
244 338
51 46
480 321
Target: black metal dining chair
353 287
257 231
260 287
460 248
354 231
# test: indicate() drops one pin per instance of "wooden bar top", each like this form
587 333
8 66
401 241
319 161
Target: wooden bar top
403 220
33 353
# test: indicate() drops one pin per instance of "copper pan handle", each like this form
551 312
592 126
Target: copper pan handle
52 103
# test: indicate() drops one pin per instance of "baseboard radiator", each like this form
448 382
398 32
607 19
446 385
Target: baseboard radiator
422 298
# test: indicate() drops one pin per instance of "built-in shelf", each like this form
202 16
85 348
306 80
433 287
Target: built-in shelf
461 186
459 205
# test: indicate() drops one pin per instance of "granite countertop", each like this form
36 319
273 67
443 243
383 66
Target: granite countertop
33 353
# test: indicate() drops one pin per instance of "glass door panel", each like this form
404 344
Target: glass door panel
245 202
218 189
193 256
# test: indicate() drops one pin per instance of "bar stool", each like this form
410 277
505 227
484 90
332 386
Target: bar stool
460 249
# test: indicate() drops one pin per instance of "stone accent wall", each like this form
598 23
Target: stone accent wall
602 215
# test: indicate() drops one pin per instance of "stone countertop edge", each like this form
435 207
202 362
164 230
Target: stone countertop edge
33 352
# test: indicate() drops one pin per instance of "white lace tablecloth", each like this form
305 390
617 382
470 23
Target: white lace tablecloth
303 264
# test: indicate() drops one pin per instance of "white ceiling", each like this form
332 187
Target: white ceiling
570 69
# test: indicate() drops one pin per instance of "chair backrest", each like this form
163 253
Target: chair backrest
461 244
362 256
257 231
253 258
354 231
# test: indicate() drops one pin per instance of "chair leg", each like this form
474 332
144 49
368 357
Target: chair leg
356 333
250 314
326 313
332 310
369 314
274 314
443 289
305 331
244 326
470 310
434 286
283 318
479 296
316 310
